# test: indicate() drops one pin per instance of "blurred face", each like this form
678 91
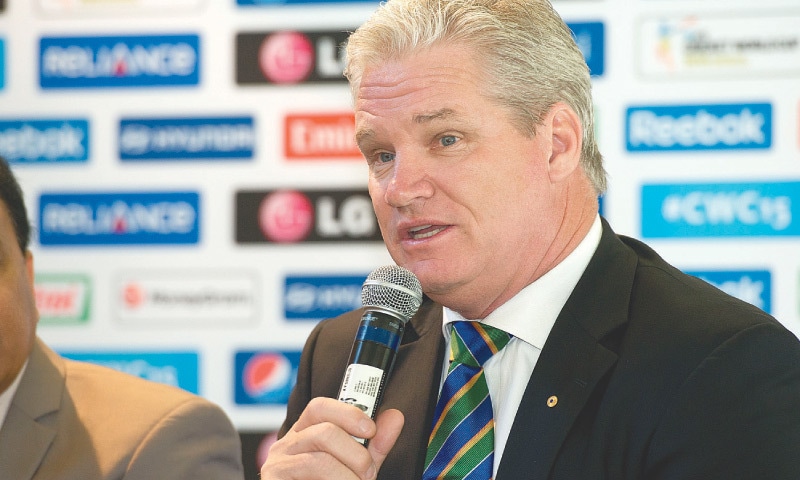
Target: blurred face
464 200
18 315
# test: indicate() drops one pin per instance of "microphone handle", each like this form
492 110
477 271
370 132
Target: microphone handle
371 361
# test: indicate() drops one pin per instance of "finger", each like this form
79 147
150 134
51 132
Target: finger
389 425
322 440
309 466
320 451
328 410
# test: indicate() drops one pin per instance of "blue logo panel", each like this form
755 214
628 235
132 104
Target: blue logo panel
590 37
265 377
179 369
752 286
320 297
44 141
186 138
721 210
118 61
698 127
119 218
2 64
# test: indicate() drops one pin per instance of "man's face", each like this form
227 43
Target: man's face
462 197
18 315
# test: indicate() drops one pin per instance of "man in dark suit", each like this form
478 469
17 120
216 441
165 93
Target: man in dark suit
68 420
475 118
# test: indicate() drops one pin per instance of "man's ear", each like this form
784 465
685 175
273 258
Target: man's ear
567 138
29 267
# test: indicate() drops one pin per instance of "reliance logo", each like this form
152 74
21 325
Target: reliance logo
186 138
698 127
721 210
117 61
44 141
119 218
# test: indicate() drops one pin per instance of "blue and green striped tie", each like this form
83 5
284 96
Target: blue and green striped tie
461 445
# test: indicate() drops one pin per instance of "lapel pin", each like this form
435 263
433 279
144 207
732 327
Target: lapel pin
552 401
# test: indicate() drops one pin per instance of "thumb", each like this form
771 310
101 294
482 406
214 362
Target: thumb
389 425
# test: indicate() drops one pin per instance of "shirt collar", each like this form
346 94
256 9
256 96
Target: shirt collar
7 396
543 299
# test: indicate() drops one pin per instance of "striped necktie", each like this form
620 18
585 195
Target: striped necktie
461 445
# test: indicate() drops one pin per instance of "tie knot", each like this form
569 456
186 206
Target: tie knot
473 343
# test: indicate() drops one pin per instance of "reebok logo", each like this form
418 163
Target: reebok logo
699 127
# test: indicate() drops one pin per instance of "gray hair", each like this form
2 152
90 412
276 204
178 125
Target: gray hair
528 52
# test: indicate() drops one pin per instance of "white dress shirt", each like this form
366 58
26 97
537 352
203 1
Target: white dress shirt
5 397
528 316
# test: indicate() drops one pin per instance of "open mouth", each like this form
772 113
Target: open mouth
424 231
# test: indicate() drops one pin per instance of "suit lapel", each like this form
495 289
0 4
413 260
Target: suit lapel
21 456
27 433
574 360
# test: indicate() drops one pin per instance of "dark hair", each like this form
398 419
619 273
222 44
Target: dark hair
11 196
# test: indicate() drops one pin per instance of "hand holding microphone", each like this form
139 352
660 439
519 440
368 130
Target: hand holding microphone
391 295
320 443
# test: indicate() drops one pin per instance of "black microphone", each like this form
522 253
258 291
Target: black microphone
391 295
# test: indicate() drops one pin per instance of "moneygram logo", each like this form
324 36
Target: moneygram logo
590 37
721 210
723 47
292 216
119 218
117 61
44 141
186 138
752 286
698 127
314 136
62 299
187 298
290 57
265 377
178 369
321 296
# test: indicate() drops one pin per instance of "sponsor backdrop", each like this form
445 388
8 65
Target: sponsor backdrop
199 204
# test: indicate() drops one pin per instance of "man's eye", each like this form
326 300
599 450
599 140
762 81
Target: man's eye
385 157
448 140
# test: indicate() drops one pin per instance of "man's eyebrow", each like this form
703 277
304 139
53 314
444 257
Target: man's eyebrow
437 115
364 135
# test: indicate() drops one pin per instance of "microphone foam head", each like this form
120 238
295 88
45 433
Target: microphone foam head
393 288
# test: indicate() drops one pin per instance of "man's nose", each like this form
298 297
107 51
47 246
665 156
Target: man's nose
410 181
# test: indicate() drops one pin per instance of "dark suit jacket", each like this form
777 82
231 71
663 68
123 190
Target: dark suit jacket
658 376
76 421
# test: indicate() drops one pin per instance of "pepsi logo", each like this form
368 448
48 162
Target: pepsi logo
266 372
